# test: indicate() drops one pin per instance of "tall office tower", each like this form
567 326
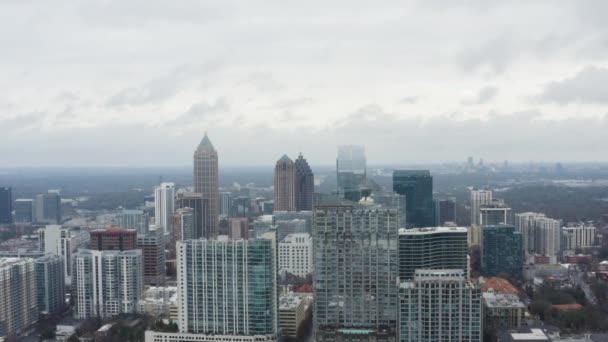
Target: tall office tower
238 228
295 254
18 302
355 259
432 248
48 208
241 206
24 210
284 184
183 224
152 247
113 239
227 288
391 200
445 211
440 305
579 236
133 219
6 205
225 203
478 198
305 184
540 235
106 283
493 213
200 212
54 239
351 171
50 284
206 183
501 251
164 205
417 186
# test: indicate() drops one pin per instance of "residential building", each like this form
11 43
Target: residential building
206 183
391 200
18 302
55 239
295 254
200 212
133 219
501 251
493 213
164 205
351 172
479 198
280 216
225 203
113 239
156 336
432 248
355 258
106 283
6 205
50 284
295 226
152 246
417 187
503 311
439 305
445 211
474 235
304 184
211 296
579 236
159 302
292 313
284 184
24 210
542 236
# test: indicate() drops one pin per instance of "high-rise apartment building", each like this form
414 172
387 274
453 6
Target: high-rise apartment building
55 239
391 200
304 184
6 205
445 211
113 239
501 251
200 212
18 302
432 248
284 184
227 288
24 210
48 208
133 219
225 203
295 254
478 198
541 235
355 275
206 183
579 236
106 283
164 205
50 284
152 247
493 213
417 187
440 305
351 171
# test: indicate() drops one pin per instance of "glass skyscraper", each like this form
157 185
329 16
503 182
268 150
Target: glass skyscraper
501 250
351 169
355 258
305 184
417 186
6 205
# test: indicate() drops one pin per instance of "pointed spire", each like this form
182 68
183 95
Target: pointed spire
205 143
285 158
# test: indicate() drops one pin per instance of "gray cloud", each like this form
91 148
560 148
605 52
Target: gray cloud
409 100
587 86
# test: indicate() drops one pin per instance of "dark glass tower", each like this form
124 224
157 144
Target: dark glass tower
305 184
501 250
417 186
6 205
445 211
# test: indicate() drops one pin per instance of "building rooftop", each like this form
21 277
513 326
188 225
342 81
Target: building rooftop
500 300
289 301
533 335
432 230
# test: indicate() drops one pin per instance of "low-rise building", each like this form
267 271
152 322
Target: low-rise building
292 312
503 311
160 302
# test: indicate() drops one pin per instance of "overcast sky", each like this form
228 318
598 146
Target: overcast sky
137 82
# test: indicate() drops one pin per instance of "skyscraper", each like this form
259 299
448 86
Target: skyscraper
440 305
540 234
284 184
24 210
54 239
445 211
305 184
391 200
18 302
501 250
432 248
493 213
225 203
164 205
417 186
355 258
48 208
106 283
152 247
50 284
478 198
113 239
206 183
351 171
6 205
295 254
200 212
133 219
227 287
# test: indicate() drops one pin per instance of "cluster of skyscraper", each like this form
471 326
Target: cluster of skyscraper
43 208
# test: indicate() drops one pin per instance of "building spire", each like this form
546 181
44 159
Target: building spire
205 143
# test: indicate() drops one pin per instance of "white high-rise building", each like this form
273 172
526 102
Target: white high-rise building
18 303
58 240
107 283
579 236
541 235
478 198
164 205
295 254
